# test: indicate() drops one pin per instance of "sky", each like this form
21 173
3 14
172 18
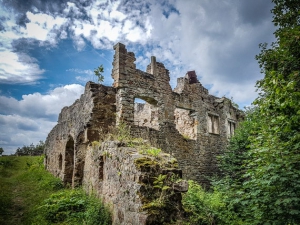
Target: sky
49 49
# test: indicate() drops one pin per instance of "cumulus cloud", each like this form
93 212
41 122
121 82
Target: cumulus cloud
31 118
211 37
18 68
216 39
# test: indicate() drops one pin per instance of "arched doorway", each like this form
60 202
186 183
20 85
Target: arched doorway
69 161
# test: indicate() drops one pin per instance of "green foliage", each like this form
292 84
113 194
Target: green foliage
1 150
159 182
98 73
32 149
207 207
266 188
232 162
121 133
272 185
73 207
28 193
24 185
153 151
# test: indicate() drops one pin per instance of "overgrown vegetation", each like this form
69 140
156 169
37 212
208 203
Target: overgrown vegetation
31 195
73 207
207 207
261 169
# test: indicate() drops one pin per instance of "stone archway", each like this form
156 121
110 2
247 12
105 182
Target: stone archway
69 161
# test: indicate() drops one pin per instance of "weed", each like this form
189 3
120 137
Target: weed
153 151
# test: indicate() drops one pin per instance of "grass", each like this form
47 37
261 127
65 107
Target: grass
31 195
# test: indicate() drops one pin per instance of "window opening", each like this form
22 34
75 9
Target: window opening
213 124
231 128
101 168
146 113
185 123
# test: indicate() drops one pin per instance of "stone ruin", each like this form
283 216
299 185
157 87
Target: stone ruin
191 127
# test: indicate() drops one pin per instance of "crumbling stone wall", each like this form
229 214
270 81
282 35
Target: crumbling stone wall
193 125
79 125
187 123
124 179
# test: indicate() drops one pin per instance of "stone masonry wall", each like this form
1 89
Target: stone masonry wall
192 125
78 125
124 178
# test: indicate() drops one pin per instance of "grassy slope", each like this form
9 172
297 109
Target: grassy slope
24 184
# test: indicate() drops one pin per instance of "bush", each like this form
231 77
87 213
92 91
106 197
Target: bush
73 207
207 207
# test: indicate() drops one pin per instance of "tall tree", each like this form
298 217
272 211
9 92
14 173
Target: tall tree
272 180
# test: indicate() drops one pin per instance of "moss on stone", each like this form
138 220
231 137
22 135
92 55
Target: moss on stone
145 162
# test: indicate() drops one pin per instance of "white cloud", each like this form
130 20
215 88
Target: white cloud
209 37
30 119
43 27
218 39
17 131
18 68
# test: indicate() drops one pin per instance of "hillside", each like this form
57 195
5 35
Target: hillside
31 195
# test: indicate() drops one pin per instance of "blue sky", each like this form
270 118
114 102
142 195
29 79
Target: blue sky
49 48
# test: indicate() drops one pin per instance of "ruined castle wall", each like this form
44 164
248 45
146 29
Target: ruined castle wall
78 125
188 123
132 83
191 123
124 178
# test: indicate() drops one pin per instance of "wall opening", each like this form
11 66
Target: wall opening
146 112
213 124
101 165
186 123
231 128
60 161
69 161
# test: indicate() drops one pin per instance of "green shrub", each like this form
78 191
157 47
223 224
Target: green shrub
207 207
73 207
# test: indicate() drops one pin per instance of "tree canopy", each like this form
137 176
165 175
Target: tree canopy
262 165
32 149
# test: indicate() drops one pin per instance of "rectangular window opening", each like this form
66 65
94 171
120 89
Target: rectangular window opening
213 124
231 128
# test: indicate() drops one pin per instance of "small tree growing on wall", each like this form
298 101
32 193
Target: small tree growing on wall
98 73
